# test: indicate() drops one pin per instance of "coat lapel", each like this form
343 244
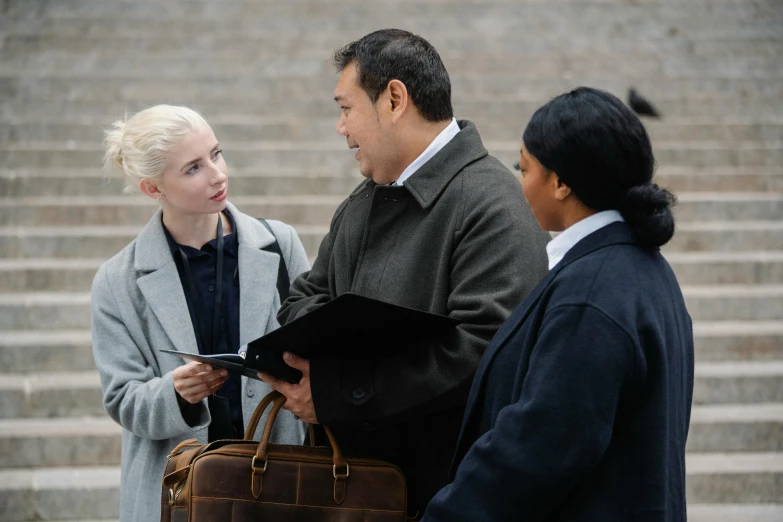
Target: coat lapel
160 284
434 176
161 287
258 299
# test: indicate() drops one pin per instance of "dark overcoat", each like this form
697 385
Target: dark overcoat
457 239
581 403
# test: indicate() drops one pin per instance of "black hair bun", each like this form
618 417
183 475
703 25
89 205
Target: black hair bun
647 209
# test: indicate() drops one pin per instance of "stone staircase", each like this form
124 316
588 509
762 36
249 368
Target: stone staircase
259 71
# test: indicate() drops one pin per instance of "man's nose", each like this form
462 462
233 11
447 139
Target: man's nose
341 127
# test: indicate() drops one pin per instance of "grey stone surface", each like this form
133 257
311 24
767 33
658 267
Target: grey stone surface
735 513
33 351
260 72
733 382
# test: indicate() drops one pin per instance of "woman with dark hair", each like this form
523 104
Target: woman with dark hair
581 403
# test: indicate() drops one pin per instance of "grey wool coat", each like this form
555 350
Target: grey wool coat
457 239
138 308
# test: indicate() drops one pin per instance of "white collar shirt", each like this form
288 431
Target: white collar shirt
440 141
559 246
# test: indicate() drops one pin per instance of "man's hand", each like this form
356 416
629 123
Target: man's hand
194 381
299 397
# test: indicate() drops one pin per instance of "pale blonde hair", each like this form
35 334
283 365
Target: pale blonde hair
139 145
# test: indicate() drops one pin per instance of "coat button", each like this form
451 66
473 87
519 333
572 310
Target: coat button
358 393
250 392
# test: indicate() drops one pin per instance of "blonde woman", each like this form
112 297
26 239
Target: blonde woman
201 277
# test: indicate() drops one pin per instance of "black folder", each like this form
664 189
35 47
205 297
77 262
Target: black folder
349 326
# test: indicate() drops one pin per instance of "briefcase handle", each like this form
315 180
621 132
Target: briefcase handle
252 426
340 469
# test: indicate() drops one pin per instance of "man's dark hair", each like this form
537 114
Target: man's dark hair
393 54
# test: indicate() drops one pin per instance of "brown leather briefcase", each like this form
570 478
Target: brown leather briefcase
244 480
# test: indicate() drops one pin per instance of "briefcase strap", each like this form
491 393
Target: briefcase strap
263 404
252 425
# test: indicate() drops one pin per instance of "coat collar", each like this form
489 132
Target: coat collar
434 176
613 234
160 284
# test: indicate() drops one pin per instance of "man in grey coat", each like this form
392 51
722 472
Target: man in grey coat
440 226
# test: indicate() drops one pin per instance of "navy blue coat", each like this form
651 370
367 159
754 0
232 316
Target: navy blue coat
580 407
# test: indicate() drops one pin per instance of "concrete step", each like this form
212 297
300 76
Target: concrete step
291 181
74 441
450 44
77 393
70 310
728 206
719 179
334 154
55 394
738 382
759 267
103 242
701 154
510 112
41 275
19 88
599 20
691 268
736 427
91 441
717 341
71 350
44 311
45 351
315 209
734 477
93 86
98 241
314 129
735 512
96 441
71 493
123 210
734 302
726 236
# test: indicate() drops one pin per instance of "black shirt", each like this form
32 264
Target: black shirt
202 267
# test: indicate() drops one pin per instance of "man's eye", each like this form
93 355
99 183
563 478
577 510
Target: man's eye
517 167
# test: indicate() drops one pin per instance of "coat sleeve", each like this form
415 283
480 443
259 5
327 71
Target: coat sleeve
498 257
137 399
543 444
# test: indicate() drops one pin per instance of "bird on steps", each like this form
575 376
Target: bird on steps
641 106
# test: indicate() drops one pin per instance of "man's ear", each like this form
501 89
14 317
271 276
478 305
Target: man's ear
562 190
149 189
398 98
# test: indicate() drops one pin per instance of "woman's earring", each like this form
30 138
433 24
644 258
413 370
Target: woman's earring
158 198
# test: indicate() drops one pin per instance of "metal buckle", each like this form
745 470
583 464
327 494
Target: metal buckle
347 471
253 464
